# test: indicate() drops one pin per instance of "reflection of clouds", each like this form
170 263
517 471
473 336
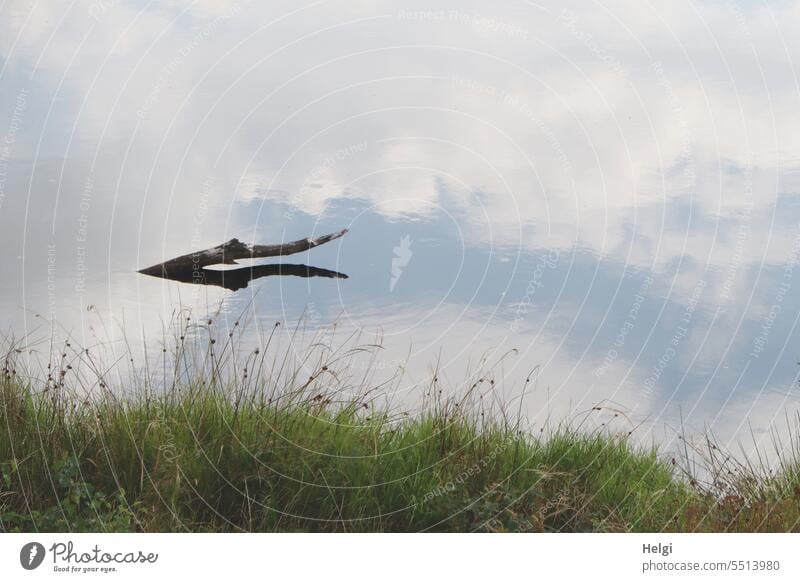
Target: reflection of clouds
478 345
685 91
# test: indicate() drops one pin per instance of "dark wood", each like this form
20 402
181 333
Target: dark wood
235 279
230 252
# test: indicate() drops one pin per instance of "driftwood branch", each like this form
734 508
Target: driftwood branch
230 252
235 279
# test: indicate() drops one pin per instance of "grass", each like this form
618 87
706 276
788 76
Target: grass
269 440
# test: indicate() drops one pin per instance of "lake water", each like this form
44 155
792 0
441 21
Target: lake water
614 193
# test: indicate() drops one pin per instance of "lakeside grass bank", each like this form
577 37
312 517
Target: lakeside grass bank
197 462
239 454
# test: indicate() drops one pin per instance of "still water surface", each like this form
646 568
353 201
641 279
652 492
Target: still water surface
613 193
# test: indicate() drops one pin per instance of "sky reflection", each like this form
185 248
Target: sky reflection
613 193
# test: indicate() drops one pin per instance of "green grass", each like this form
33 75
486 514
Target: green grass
266 450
